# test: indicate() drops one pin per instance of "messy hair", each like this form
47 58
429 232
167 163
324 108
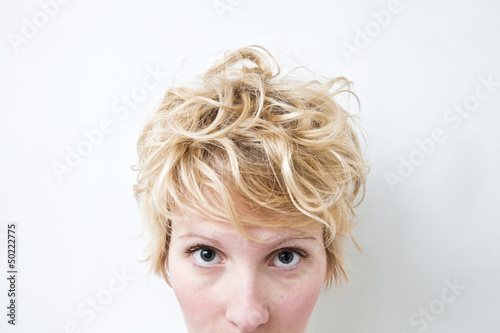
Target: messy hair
243 134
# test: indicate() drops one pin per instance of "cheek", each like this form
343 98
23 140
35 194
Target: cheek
195 297
293 303
294 307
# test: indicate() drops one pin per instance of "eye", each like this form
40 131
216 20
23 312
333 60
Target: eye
286 258
206 256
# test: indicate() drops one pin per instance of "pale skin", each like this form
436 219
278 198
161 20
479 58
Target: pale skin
225 282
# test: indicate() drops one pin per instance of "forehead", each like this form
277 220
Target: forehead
194 226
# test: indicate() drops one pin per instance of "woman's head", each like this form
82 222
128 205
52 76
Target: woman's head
256 157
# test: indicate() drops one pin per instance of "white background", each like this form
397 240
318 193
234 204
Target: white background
440 224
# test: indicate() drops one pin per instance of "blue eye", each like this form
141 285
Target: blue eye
286 259
206 256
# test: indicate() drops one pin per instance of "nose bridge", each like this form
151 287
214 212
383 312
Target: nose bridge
248 306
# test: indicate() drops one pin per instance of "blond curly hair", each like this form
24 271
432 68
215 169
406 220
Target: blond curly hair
245 134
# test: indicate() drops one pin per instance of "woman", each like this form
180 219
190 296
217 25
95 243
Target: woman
247 183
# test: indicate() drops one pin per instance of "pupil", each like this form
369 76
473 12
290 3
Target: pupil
286 257
207 255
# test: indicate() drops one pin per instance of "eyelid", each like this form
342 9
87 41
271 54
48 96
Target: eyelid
200 246
296 249
190 251
302 253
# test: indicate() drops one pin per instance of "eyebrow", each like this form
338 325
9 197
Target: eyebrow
272 245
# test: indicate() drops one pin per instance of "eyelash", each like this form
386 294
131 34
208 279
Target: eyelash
300 251
295 249
199 246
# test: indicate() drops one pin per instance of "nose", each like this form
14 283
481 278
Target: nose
247 308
